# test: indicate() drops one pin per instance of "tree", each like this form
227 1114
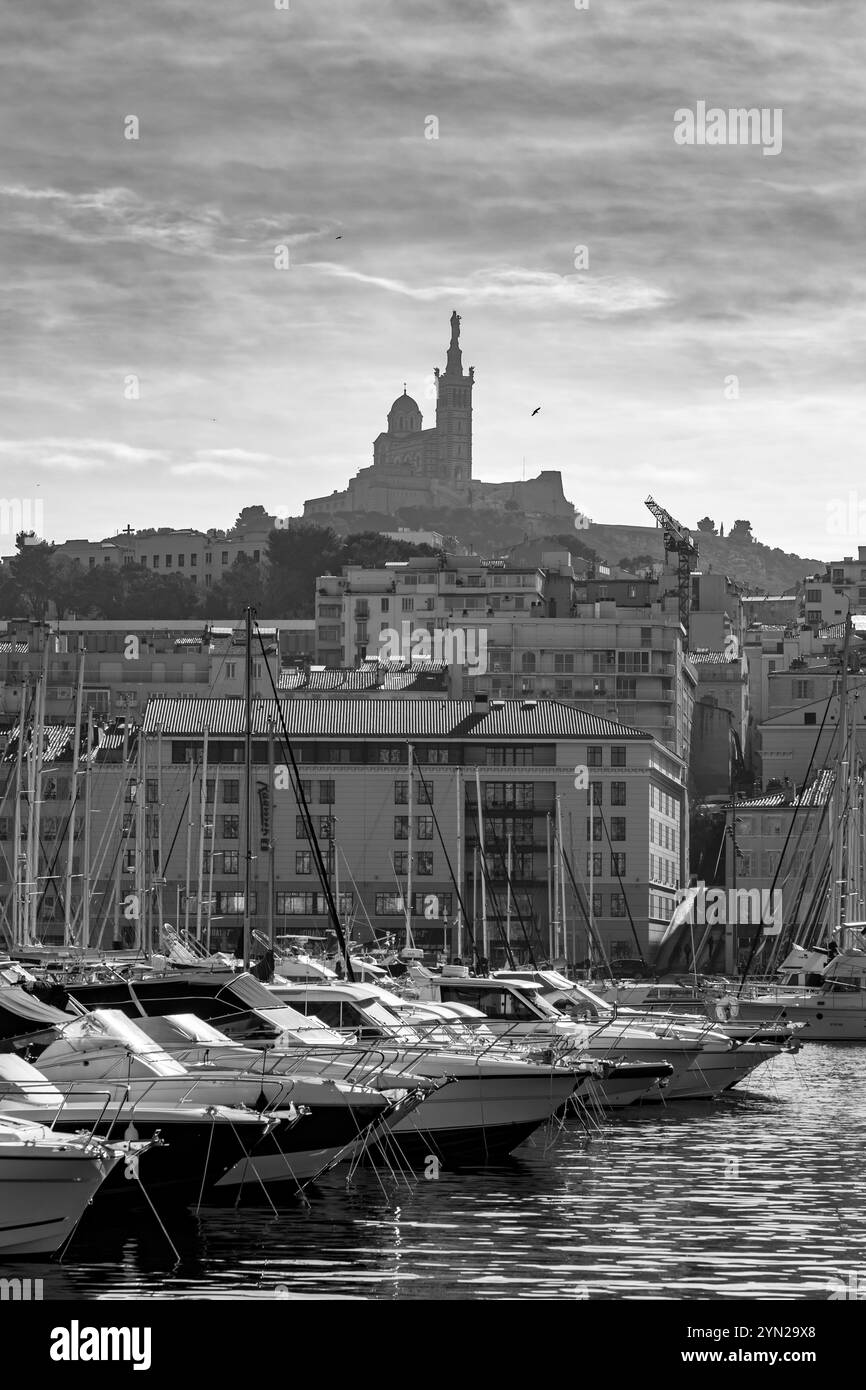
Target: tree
707 525
742 530
243 586
34 575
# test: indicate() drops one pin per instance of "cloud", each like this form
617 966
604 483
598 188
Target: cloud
118 214
213 468
520 288
77 455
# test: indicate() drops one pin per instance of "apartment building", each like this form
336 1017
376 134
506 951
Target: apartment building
624 826
510 631
126 661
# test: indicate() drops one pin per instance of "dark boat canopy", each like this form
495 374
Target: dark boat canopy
22 1014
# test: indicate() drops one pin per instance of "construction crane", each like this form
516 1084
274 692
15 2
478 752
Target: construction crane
678 541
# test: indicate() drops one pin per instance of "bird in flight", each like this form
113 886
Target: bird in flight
339 238
536 410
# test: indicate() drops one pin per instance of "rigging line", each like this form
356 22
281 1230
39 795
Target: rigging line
470 929
358 898
592 931
324 880
478 811
758 937
614 861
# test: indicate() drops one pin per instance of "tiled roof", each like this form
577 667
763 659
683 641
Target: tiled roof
707 658
398 719
816 794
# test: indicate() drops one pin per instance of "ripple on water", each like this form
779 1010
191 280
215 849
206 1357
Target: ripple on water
758 1196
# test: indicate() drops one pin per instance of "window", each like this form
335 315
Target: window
401 793
804 690
390 755
208 559
617 757
230 670
527 663
401 863
193 560
225 558
230 861
208 579
634 661
617 793
326 827
646 636
617 864
596 789
617 827
509 757
437 755
603 661
401 827
424 826
407 605
383 605
327 792
155 562
231 827
300 829
594 863
626 688
810 718
152 791
303 861
181 561
231 791
593 757
296 904
509 794
617 905
563 662
168 562
338 754
595 832
389 904
232 903
596 905
425 862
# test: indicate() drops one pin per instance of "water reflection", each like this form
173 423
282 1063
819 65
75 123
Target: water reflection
760 1195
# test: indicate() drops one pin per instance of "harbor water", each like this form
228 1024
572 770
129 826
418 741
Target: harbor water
760 1195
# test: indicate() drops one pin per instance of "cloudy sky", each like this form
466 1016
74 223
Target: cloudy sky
148 265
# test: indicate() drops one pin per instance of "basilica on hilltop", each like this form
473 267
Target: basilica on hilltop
431 469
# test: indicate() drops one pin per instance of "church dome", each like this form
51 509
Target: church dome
406 404
404 415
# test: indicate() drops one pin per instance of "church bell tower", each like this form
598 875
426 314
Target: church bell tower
454 414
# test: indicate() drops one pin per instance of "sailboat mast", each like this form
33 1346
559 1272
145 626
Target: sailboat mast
460 866
202 822
485 944
70 848
411 841
17 935
88 796
248 784
841 790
